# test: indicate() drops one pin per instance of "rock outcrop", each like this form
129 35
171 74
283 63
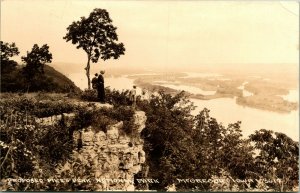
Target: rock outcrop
90 105
55 119
115 157
68 117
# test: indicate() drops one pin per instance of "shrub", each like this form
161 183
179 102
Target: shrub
99 119
114 97
26 147
117 98
50 108
89 95
31 106
122 113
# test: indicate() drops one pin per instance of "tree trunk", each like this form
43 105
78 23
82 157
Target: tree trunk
87 69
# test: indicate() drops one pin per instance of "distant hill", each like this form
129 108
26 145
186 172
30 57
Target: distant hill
50 81
63 82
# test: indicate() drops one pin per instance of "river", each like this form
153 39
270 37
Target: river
225 110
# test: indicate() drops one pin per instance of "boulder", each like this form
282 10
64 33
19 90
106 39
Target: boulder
130 187
113 131
142 157
68 118
139 120
47 121
135 169
87 136
99 138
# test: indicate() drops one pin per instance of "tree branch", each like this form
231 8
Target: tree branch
6 156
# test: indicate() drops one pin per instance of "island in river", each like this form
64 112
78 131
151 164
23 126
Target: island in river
273 89
252 91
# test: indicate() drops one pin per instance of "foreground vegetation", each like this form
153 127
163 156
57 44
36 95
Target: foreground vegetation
30 150
191 152
183 151
182 148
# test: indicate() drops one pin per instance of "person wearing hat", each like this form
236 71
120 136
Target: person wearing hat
101 91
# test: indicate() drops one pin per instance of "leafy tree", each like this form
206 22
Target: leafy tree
181 146
97 37
168 142
277 158
35 61
220 149
9 70
8 51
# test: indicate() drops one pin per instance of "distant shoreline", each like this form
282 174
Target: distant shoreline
262 102
267 92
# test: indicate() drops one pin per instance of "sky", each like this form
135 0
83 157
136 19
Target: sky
164 33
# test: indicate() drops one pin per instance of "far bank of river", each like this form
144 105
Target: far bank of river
225 110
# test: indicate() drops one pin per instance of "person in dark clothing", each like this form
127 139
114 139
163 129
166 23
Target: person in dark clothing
101 91
95 81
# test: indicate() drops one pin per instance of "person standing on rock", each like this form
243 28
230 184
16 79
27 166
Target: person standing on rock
100 89
132 96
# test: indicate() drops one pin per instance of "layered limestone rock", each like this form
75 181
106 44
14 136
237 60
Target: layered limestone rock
68 117
55 119
139 120
96 105
115 157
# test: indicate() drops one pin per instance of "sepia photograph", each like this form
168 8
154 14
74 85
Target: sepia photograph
156 96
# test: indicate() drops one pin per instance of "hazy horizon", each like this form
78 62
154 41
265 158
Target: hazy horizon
167 34
291 69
